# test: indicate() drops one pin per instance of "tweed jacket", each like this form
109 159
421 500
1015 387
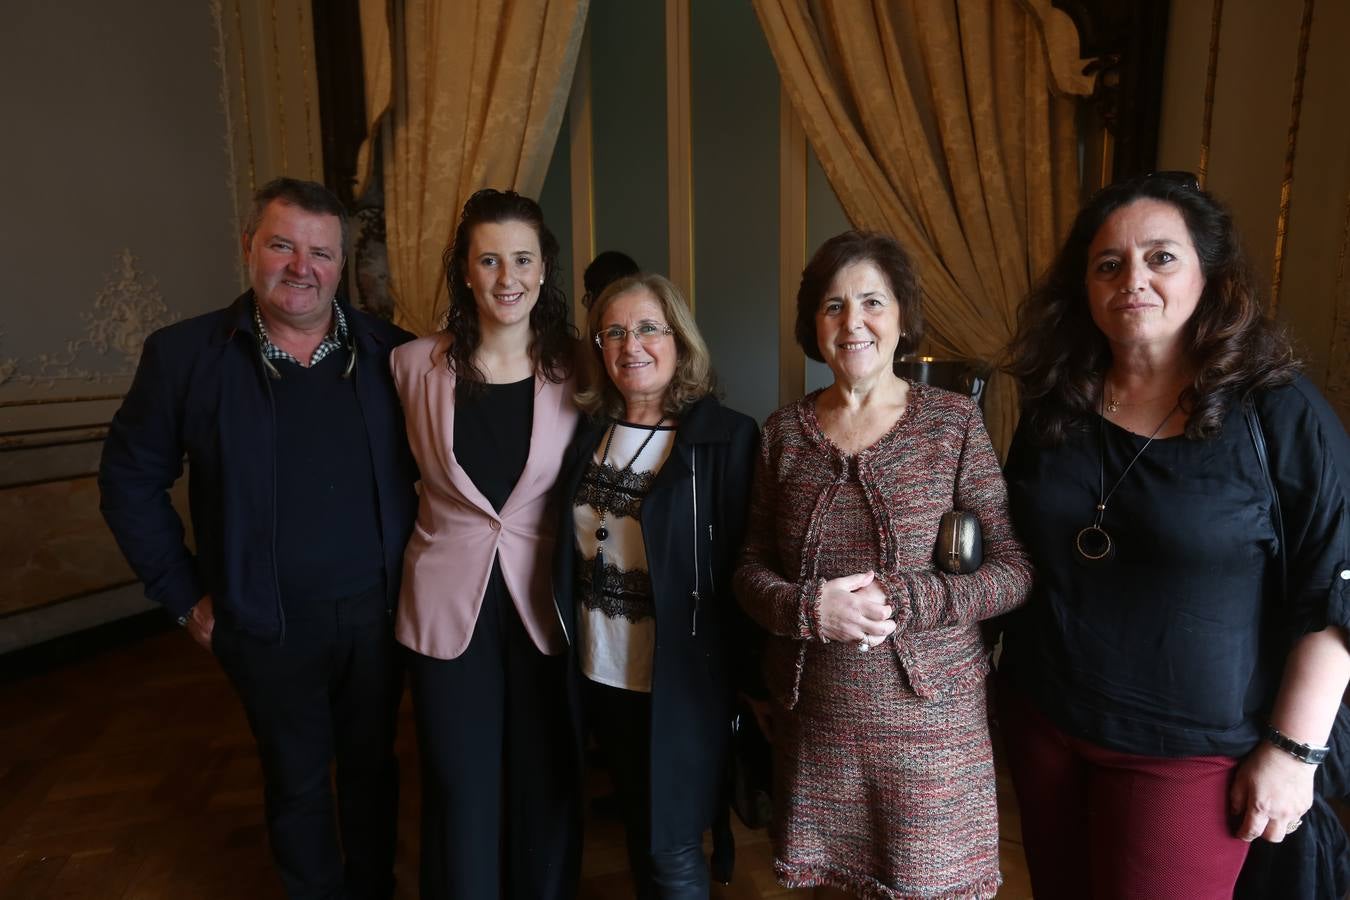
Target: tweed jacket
458 534
935 457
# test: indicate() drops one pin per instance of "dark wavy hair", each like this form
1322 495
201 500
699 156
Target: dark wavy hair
553 344
1059 356
843 250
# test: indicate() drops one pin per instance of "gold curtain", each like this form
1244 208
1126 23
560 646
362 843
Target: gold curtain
936 121
463 94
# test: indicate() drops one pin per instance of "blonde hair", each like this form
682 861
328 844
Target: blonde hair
693 379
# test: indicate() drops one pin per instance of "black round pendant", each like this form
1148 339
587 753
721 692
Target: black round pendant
601 533
1094 544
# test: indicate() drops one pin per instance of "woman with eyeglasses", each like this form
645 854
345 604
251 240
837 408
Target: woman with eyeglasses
1185 496
655 487
489 410
883 770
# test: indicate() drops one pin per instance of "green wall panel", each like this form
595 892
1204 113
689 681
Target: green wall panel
734 106
628 121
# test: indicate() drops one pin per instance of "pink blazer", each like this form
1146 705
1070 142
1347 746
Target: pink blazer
449 557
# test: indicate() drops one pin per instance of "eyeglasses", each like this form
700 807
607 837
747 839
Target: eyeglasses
645 332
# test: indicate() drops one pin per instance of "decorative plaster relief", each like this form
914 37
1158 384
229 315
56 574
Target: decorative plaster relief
124 312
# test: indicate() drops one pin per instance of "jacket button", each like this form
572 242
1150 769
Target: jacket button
496 526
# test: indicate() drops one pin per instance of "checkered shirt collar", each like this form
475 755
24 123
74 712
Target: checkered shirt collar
334 340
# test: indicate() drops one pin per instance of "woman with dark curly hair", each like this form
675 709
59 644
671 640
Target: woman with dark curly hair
489 410
1183 493
875 661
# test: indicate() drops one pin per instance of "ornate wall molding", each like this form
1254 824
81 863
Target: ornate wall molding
123 313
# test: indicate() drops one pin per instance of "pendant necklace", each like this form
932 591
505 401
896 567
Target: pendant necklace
1093 543
602 532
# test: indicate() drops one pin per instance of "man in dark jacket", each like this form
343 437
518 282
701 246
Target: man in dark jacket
300 488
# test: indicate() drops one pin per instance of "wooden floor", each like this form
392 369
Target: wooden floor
130 773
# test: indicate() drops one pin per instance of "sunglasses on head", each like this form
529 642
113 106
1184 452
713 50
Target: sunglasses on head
1186 181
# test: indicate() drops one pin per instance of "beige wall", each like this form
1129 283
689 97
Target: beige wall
1257 52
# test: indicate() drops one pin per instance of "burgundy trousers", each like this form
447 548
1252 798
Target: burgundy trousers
1105 825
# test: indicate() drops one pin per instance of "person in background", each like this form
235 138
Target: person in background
300 488
1167 691
607 267
876 664
489 409
656 485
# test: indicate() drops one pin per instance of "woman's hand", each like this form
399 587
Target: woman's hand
1272 791
853 608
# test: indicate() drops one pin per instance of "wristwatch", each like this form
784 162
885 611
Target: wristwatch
1307 753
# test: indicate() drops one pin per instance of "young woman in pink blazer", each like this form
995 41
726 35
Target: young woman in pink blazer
489 411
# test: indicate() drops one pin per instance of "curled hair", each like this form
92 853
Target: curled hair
1060 357
843 250
693 379
310 196
552 341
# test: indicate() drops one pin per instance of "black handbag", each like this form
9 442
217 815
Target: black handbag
960 543
751 766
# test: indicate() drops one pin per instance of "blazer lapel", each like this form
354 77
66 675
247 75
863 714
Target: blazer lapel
546 444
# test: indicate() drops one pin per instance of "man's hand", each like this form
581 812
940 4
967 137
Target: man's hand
201 621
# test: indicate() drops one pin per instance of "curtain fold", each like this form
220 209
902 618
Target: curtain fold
463 94
939 122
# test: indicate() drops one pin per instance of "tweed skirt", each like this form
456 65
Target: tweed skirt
878 791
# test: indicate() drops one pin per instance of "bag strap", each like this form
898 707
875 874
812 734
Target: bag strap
1259 441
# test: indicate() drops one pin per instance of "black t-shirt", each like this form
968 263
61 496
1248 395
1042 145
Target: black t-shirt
492 435
1176 645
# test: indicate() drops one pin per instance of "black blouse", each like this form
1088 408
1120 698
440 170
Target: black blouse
492 435
1176 645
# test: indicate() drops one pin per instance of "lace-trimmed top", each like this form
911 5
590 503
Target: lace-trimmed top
617 626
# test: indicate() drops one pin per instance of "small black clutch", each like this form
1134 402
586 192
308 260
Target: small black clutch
960 544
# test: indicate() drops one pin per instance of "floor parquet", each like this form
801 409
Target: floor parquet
129 774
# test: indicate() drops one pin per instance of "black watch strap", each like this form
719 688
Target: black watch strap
1313 756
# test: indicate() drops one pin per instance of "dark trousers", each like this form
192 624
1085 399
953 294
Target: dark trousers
329 690
621 722
500 813
1112 826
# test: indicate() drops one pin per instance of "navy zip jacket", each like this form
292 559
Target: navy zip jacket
201 392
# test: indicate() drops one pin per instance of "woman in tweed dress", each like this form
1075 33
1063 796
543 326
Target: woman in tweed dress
884 777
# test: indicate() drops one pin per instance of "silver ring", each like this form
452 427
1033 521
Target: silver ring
1293 826
864 645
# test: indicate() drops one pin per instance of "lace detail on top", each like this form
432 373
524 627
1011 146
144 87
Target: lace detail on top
609 490
626 595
